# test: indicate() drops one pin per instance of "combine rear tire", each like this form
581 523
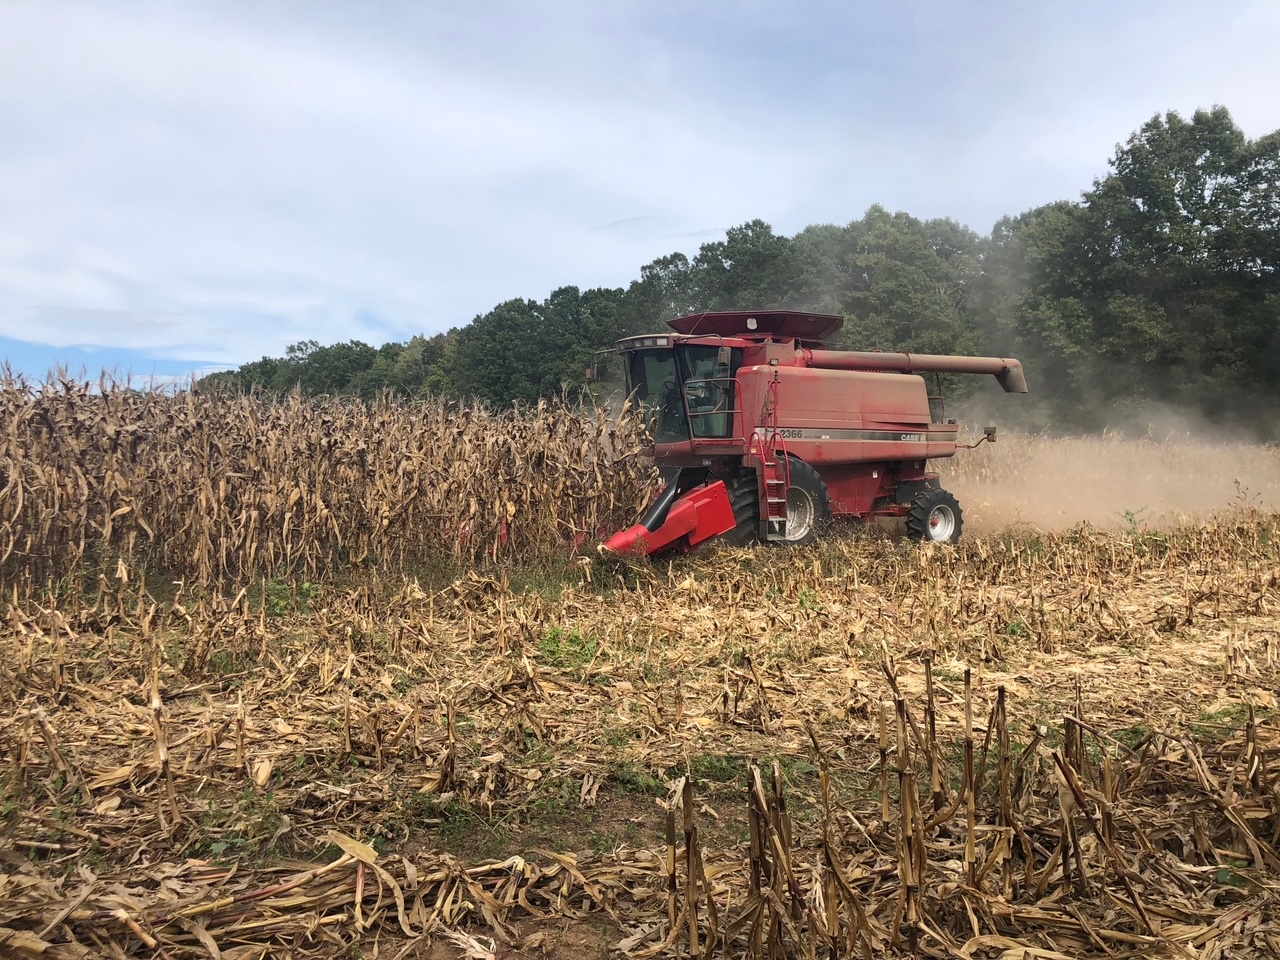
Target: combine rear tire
935 516
808 505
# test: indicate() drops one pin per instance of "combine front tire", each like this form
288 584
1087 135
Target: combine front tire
935 517
808 505
744 497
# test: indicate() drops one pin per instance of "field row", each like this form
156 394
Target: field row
1056 742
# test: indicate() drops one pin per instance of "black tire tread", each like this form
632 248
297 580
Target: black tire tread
805 476
922 506
745 500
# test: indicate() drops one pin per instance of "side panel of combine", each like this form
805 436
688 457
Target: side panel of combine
845 416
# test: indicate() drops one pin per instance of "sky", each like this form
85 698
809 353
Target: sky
188 187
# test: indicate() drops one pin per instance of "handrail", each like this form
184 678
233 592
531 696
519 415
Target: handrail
776 436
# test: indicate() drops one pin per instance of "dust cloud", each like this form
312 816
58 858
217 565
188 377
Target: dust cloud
1111 481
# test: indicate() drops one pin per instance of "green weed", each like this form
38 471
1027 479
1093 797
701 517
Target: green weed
568 650
631 778
717 768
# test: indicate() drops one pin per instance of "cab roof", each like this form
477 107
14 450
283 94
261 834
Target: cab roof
756 323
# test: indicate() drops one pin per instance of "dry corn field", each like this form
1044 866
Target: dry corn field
1050 741
212 487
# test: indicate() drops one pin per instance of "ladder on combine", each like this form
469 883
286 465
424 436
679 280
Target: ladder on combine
774 468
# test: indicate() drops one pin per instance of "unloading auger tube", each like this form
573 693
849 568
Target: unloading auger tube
766 436
1008 373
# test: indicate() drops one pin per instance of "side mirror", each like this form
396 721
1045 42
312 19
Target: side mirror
990 433
722 357
597 358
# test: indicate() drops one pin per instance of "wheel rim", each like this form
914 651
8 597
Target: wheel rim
941 523
799 514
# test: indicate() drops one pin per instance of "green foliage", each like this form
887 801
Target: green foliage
1161 285
717 768
631 778
1133 521
1133 735
285 597
253 825
223 662
602 844
1221 723
568 650
522 350
901 283
351 368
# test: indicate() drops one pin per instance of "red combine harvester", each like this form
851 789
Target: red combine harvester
765 434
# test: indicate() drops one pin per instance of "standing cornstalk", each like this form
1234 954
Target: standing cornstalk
237 488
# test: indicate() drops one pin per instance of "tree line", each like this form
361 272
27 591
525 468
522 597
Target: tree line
1159 286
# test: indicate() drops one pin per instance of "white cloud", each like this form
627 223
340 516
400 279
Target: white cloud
168 171
213 183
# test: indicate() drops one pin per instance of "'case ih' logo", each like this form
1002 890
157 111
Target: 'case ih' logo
912 436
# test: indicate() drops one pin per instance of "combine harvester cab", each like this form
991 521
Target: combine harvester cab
765 435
